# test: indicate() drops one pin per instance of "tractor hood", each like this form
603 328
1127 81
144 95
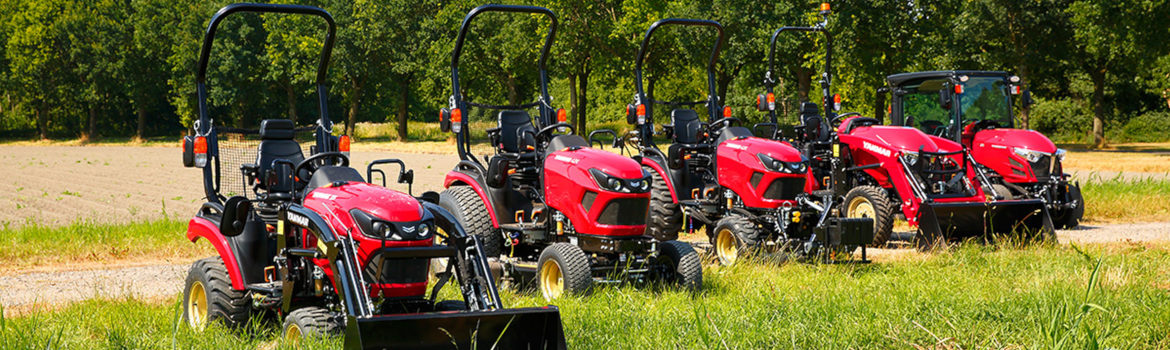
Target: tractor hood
904 139
1014 138
589 158
383 203
778 150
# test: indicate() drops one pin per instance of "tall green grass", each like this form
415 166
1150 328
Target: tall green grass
1126 200
972 297
85 241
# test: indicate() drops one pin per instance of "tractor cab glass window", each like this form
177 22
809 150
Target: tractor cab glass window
921 108
985 99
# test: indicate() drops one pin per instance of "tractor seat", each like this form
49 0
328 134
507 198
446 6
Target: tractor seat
516 132
326 175
814 125
686 125
276 142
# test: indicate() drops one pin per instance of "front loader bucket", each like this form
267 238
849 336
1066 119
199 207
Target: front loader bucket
951 221
526 328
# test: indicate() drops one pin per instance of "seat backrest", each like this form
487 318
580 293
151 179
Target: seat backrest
686 125
276 142
814 125
516 130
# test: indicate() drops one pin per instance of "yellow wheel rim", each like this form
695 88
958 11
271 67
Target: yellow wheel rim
861 208
293 332
197 306
725 247
552 280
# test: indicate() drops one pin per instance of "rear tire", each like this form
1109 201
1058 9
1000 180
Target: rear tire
310 322
734 236
872 202
208 296
1070 218
683 263
472 213
563 269
1003 191
663 219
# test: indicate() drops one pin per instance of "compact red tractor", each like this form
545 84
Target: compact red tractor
931 179
975 108
546 203
749 192
310 240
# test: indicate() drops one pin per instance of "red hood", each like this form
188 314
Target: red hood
1028 139
778 150
386 204
905 139
609 163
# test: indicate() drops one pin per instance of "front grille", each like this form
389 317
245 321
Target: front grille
785 188
624 211
1043 167
382 271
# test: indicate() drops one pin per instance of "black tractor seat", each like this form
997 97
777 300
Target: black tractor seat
276 142
516 155
685 132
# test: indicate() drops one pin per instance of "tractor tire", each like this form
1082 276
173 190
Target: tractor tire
1003 191
208 296
683 265
664 217
872 202
471 211
563 268
1070 218
734 236
311 322
451 305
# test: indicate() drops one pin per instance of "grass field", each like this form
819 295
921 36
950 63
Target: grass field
972 297
80 243
1114 200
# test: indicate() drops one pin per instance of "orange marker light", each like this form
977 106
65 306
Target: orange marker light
456 120
200 151
825 7
727 111
958 89
343 144
641 110
837 98
771 98
562 116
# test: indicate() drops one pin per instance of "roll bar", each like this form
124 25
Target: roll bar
644 99
826 78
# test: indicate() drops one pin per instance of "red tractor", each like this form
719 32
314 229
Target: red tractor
975 108
546 204
308 239
749 192
931 180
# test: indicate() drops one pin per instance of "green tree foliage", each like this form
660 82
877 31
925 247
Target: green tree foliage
73 68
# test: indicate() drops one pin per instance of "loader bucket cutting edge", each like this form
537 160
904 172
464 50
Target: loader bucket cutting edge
963 220
524 328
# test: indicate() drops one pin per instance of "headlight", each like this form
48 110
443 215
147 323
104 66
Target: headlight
772 164
1060 153
1029 155
616 184
910 157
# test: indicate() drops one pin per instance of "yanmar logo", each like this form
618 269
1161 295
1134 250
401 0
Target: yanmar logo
566 159
876 149
299 220
737 146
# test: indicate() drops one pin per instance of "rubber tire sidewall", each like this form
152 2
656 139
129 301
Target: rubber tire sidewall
883 222
663 216
1070 218
472 213
224 304
575 269
744 231
687 266
313 321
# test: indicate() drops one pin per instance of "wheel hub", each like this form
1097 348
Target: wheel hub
552 280
725 247
197 306
293 332
861 208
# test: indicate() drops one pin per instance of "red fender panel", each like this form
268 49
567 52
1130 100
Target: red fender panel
457 178
662 172
200 227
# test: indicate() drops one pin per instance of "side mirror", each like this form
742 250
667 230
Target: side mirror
945 96
406 177
631 114
236 211
909 121
445 120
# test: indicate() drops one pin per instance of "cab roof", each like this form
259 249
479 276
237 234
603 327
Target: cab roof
902 78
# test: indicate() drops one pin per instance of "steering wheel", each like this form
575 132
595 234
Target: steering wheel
545 131
315 162
729 121
836 122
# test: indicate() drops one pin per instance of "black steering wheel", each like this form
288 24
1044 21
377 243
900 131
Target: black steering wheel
311 164
729 121
836 121
546 131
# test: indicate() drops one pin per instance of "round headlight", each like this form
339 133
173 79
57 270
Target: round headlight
615 184
424 230
910 158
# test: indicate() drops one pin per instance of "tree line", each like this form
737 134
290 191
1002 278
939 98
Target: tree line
117 68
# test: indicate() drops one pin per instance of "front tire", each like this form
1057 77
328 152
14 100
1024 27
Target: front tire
683 264
872 202
310 322
563 269
664 218
472 213
208 296
734 237
1070 218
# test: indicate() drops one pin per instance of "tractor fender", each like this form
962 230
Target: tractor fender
459 178
200 227
650 162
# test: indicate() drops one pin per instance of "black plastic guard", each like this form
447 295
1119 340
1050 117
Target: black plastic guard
962 220
525 328
847 232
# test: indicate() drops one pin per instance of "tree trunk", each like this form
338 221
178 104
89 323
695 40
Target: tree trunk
141 132
355 98
90 132
574 111
404 98
1098 77
291 94
879 107
513 95
1025 109
724 81
803 83
43 120
583 100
